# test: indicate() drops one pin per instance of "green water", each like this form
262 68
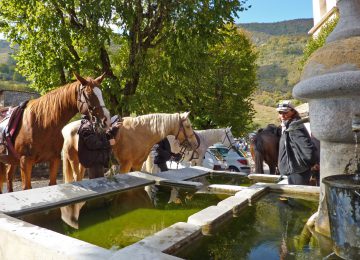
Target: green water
270 229
128 218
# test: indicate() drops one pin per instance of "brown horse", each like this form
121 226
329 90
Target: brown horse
265 147
134 141
39 138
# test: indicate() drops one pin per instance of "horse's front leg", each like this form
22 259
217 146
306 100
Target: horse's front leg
54 167
10 176
26 165
125 167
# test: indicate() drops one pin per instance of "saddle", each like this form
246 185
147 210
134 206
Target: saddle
8 129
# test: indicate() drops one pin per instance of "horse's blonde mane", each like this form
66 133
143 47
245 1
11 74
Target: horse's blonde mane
47 109
157 123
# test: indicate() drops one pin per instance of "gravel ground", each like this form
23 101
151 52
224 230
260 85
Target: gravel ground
36 182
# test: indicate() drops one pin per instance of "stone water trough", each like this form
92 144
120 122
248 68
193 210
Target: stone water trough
22 240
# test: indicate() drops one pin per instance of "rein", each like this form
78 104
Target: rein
231 144
195 153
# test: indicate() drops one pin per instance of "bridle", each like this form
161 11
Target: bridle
185 145
227 136
186 142
83 103
231 144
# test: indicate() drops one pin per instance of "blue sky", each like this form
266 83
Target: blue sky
264 11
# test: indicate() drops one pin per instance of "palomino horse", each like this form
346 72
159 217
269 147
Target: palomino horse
265 144
39 138
206 138
134 141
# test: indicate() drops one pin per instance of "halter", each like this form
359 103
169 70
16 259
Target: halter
195 153
231 144
186 142
86 103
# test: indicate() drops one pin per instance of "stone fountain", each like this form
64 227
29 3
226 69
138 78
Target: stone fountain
331 84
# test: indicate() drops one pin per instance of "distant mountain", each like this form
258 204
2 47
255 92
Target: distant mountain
291 27
280 47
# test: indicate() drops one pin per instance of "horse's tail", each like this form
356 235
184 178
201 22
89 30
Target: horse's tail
259 152
259 160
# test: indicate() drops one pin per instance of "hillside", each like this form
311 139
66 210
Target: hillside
291 27
280 46
264 115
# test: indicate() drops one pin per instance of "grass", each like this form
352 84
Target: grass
265 115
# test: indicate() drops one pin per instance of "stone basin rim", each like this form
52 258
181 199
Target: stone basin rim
343 83
335 181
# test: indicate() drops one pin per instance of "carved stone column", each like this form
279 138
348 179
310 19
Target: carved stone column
331 84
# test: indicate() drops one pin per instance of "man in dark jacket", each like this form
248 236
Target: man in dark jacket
164 154
297 153
94 147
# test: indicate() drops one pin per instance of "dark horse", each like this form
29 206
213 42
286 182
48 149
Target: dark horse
265 144
38 137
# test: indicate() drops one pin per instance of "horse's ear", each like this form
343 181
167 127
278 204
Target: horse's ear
185 114
229 127
83 81
100 78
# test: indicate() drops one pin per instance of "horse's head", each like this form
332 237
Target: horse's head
228 138
186 135
90 100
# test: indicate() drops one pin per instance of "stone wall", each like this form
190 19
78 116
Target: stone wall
14 98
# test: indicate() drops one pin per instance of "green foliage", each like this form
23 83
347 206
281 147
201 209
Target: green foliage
168 57
57 38
317 42
213 81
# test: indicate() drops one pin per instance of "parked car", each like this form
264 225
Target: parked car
235 160
214 160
